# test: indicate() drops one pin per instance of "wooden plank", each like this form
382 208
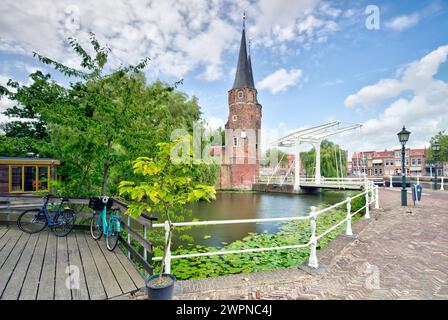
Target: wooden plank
31 283
137 256
12 237
79 290
3 231
47 278
123 278
137 237
135 275
61 290
94 284
12 291
8 267
109 282
5 238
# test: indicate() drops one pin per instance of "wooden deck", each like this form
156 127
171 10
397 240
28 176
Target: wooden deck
40 266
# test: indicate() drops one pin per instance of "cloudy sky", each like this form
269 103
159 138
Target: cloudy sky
314 61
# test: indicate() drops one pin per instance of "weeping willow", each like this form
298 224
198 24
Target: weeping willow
331 157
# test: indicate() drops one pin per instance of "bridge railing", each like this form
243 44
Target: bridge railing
442 181
135 227
312 180
371 195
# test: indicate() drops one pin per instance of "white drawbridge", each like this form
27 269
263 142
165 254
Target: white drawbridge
314 136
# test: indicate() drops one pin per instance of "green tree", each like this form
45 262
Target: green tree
97 125
168 184
275 156
331 157
442 139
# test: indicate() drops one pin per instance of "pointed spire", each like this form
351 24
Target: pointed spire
244 20
249 60
243 74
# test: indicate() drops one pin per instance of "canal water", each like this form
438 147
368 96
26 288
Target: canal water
230 206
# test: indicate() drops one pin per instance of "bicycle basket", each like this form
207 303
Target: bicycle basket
98 204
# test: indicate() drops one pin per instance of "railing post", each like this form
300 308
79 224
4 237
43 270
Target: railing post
367 215
348 231
168 247
129 234
145 253
377 202
313 242
391 184
441 185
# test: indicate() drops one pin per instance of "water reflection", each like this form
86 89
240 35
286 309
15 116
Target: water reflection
229 206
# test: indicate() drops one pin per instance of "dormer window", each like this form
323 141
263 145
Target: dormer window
240 95
234 118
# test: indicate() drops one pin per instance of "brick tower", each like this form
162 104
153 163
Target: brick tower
241 163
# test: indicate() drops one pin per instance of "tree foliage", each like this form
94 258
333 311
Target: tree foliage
98 124
331 157
168 183
442 139
275 156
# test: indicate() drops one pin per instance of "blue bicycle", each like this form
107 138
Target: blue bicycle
101 225
35 220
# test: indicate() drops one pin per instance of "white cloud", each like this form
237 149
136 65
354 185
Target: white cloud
215 122
180 36
280 80
424 110
5 103
403 22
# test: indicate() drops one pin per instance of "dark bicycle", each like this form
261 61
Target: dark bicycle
35 220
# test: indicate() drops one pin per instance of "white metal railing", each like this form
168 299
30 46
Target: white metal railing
371 194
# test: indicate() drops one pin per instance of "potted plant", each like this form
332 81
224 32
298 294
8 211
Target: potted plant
167 183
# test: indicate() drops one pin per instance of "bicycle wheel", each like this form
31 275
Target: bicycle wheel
64 222
112 235
96 226
32 221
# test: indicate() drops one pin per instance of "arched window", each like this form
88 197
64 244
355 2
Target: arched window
240 95
234 117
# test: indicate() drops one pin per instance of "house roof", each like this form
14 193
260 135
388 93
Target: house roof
30 161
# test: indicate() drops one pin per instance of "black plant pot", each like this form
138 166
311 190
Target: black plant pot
160 293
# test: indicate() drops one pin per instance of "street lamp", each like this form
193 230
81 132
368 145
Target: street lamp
403 136
435 157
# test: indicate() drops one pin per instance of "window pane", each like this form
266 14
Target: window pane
30 179
16 179
43 178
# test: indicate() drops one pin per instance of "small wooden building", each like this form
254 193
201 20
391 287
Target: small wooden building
27 175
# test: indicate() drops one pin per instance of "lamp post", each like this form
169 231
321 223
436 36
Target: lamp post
403 137
435 157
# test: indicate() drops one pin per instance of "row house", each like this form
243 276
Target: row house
388 162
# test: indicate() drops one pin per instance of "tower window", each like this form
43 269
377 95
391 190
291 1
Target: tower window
240 95
235 141
234 118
